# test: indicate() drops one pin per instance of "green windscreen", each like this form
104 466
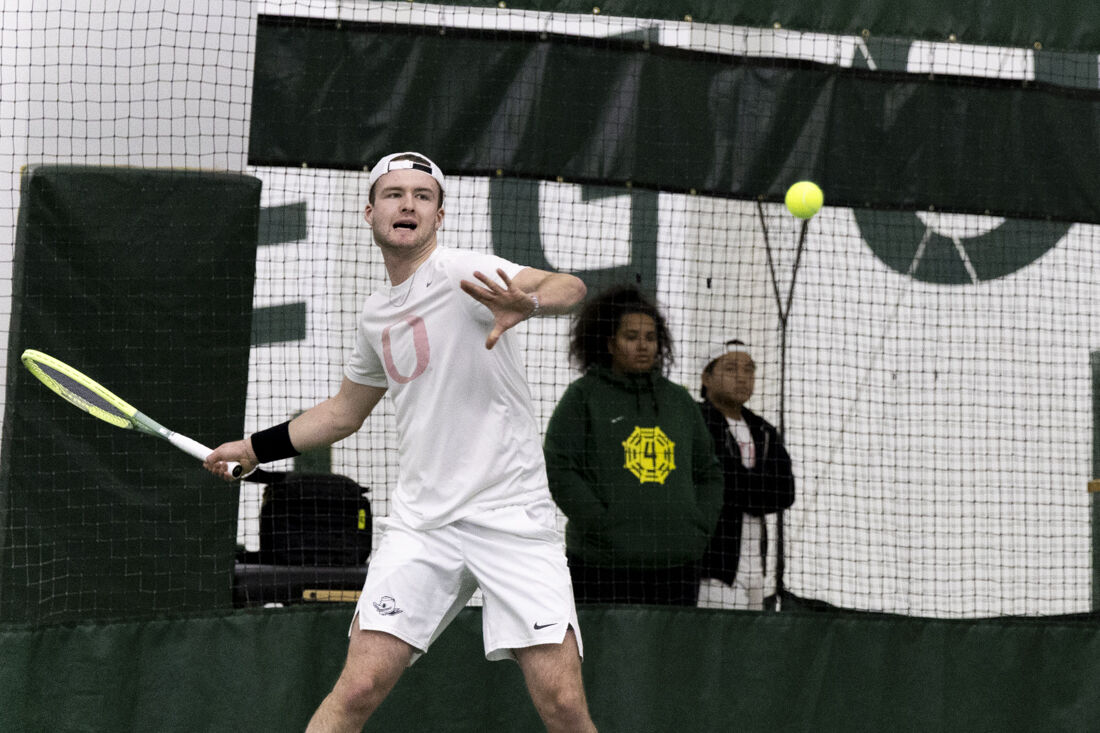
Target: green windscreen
144 279
1054 24
625 111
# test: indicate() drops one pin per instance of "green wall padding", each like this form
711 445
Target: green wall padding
645 670
622 112
143 280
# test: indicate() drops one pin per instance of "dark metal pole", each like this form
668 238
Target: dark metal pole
784 310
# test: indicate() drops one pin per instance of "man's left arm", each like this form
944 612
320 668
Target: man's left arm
782 474
532 292
555 292
771 484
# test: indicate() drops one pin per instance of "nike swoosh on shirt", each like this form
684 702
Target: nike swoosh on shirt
617 419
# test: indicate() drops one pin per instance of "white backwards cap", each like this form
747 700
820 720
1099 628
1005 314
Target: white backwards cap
388 164
733 346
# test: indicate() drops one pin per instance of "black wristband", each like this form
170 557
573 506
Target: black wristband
273 444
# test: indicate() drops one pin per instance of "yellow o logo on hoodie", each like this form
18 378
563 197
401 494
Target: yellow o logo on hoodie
649 455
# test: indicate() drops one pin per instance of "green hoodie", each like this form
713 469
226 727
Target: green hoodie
631 464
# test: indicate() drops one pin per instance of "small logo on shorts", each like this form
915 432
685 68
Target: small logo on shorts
387 606
539 626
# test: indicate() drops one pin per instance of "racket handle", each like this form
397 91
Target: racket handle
198 450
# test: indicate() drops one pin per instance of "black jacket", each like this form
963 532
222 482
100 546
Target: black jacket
763 489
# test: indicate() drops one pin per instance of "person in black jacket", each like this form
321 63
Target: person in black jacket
758 481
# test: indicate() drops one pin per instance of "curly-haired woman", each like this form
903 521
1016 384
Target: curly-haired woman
630 460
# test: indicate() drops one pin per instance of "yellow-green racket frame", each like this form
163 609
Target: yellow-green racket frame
126 417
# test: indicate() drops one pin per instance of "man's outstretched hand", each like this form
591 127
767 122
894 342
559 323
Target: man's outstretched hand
509 305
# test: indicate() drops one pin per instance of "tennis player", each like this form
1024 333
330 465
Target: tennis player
471 508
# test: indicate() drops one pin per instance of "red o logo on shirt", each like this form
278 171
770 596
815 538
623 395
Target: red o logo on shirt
420 346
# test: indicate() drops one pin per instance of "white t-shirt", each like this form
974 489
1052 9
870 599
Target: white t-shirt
467 434
750 566
741 433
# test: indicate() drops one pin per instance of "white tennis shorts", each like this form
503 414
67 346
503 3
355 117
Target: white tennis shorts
418 580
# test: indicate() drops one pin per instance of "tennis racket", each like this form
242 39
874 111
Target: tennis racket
98 401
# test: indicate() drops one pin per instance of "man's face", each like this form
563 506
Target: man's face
732 379
634 346
406 211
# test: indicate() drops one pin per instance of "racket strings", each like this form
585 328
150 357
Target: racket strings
80 394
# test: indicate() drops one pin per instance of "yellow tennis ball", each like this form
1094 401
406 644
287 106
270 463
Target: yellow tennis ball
804 199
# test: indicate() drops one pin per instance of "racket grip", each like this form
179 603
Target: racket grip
198 450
